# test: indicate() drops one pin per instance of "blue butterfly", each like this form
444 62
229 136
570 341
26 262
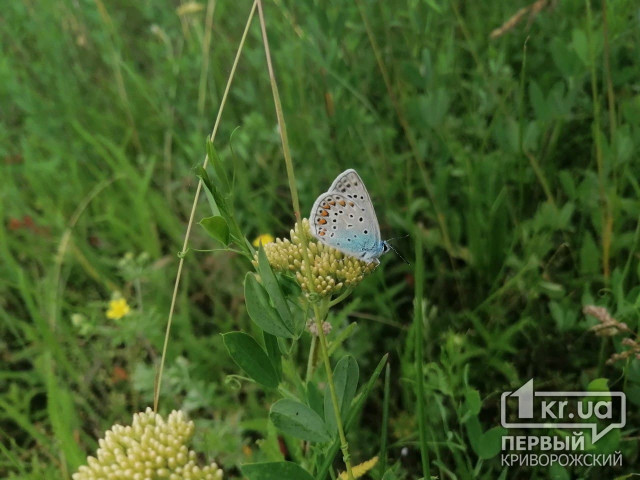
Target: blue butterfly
344 219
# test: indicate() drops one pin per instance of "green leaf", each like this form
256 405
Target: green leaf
345 379
580 44
473 403
299 421
599 385
261 311
314 398
273 352
218 199
217 227
558 472
225 187
272 287
487 444
491 442
474 432
251 358
275 471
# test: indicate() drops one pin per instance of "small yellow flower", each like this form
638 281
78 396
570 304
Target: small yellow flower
360 470
263 239
118 308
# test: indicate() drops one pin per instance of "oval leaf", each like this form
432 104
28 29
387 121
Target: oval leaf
275 471
261 311
299 421
272 287
251 358
345 378
273 352
216 227
217 166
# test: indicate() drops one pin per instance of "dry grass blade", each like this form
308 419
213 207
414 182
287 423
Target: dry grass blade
158 383
516 18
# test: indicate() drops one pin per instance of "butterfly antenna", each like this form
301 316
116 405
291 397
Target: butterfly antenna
396 251
397 238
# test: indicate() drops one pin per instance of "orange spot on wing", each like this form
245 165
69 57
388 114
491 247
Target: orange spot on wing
322 221
342 202
324 213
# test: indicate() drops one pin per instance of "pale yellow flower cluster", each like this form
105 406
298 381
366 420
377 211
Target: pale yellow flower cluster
150 449
331 270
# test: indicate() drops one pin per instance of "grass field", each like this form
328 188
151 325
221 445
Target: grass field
502 142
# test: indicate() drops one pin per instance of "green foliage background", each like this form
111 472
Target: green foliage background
516 166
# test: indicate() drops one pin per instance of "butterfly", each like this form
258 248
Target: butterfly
344 218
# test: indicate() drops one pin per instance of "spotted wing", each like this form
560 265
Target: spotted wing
340 222
349 184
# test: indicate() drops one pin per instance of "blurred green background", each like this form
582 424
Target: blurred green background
513 155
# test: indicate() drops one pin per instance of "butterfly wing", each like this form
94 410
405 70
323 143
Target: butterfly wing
344 218
349 184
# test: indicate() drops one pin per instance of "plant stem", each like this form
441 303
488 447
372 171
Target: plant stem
607 72
206 46
385 420
418 321
283 127
156 394
341 297
607 216
344 445
312 355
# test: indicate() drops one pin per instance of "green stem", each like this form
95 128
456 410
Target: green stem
344 445
607 217
418 323
341 297
312 356
385 420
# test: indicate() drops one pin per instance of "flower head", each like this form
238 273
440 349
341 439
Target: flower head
263 239
118 308
331 270
151 448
